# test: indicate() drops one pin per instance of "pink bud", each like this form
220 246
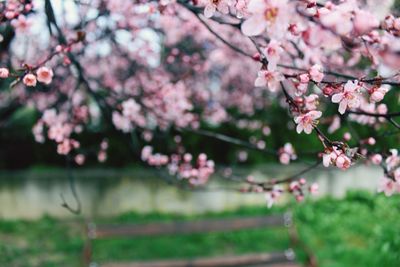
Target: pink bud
257 57
347 136
371 141
4 73
284 158
187 157
304 78
376 159
328 90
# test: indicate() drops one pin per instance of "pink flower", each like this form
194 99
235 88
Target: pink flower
338 19
241 8
44 75
304 78
311 102
272 196
59 132
284 158
121 122
393 160
313 189
294 186
343 162
273 52
364 22
271 79
213 5
80 159
102 156
130 109
287 153
4 73
347 136
66 146
349 98
378 93
306 122
316 73
265 15
376 159
29 79
21 24
388 186
147 151
336 157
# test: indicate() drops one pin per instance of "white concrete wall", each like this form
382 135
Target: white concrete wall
108 192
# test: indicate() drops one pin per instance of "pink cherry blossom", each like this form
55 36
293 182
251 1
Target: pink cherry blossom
4 73
80 159
102 156
338 18
349 98
388 186
284 159
393 161
347 136
270 79
287 153
314 188
65 147
130 109
376 159
214 5
29 80
21 24
272 196
273 52
337 158
265 14
378 93
364 22
44 75
305 122
316 73
311 102
343 162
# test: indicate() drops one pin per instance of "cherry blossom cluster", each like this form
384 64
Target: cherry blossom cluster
390 182
182 166
298 188
160 67
286 154
15 10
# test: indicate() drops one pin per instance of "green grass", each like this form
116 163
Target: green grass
360 230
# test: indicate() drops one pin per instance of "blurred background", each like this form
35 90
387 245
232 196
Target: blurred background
347 224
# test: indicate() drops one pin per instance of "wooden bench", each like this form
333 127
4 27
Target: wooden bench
281 259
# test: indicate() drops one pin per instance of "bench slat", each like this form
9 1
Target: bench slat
152 229
265 259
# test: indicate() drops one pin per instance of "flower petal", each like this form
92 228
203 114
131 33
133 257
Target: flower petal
209 10
255 25
336 98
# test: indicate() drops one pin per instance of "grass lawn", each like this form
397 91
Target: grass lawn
360 230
